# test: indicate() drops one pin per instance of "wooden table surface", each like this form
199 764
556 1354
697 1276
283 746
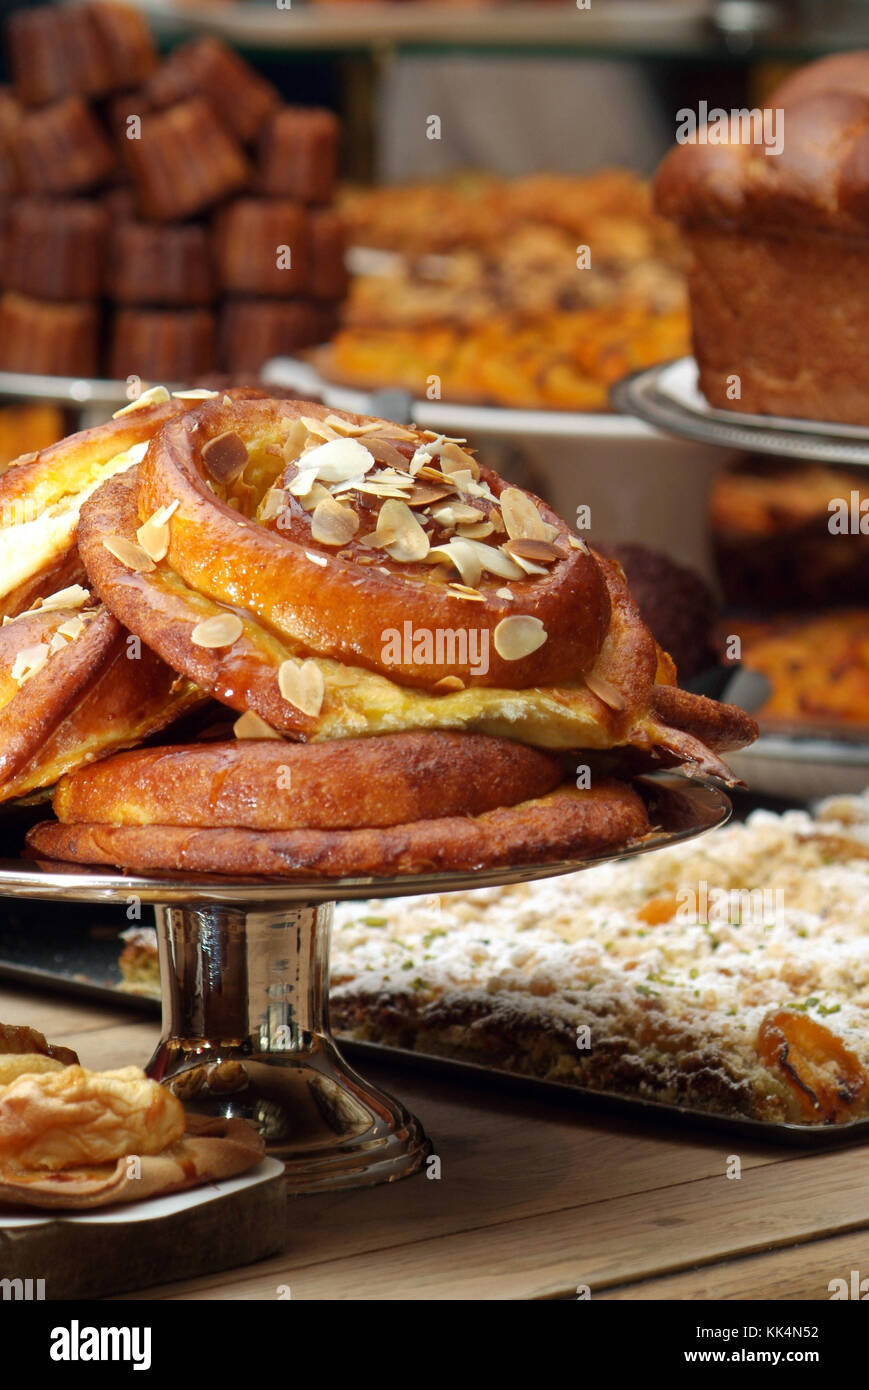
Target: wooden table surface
536 1199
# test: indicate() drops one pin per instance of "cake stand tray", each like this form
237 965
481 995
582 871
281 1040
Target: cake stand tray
667 397
72 391
244 965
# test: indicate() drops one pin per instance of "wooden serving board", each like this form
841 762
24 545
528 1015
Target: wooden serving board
113 1251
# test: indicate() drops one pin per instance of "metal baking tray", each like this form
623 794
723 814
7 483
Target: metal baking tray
76 953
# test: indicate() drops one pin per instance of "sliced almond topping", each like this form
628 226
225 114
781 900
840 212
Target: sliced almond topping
272 504
57 643
403 538
220 631
444 438
497 519
506 594
466 592
153 534
316 559
312 499
476 530
421 459
73 597
385 452
464 556
423 495
383 490
433 475
249 725
156 396
341 426
541 551
530 566
606 691
225 457
318 427
449 683
338 459
518 636
304 480
576 543
454 459
463 480
301 684
455 512
332 523
495 561
295 437
521 517
197 393
72 628
28 661
130 553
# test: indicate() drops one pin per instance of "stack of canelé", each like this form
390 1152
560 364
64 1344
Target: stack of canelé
159 220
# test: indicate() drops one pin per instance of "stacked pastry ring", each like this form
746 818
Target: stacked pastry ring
419 655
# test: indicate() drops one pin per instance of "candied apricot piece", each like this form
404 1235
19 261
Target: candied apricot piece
826 1077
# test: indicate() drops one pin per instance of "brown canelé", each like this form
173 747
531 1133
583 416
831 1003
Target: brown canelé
162 344
151 264
262 246
298 154
183 162
48 337
55 248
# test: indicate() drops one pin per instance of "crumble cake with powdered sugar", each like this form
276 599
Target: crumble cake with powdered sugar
729 975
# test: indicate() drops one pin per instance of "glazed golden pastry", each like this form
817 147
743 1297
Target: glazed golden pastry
305 583
317 573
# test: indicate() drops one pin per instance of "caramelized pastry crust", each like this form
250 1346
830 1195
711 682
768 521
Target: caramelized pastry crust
566 824
272 785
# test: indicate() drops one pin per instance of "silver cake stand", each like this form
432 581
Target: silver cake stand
245 973
667 397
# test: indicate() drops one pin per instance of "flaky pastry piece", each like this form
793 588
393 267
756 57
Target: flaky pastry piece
393 804
291 560
67 1139
66 1118
74 687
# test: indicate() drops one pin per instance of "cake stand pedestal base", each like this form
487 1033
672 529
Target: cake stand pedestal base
246 1034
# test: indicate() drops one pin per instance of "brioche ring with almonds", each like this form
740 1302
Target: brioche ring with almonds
73 689
248 553
231 815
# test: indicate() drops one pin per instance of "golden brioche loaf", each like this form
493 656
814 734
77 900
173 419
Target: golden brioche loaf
778 231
